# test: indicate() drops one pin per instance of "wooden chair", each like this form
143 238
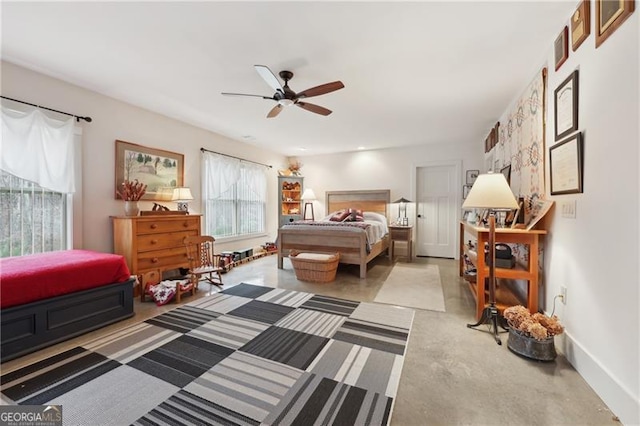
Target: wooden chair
203 263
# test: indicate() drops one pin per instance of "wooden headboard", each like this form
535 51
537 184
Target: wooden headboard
373 200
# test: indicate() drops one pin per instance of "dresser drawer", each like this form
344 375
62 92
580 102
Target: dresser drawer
160 226
149 242
163 259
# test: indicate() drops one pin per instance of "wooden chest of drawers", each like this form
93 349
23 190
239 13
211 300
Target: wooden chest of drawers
151 243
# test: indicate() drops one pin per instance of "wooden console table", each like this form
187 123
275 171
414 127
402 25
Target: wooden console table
527 272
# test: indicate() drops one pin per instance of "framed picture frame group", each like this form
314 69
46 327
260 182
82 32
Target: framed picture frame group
157 168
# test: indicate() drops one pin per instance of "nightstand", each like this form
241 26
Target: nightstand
400 233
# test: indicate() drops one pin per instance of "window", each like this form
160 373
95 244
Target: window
234 196
34 219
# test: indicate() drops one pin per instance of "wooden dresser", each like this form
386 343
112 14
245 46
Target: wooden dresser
154 243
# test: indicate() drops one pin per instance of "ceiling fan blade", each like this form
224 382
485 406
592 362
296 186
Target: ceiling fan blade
314 108
321 90
275 111
269 77
244 94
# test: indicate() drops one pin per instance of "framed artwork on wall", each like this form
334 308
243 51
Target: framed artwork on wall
506 171
580 24
472 175
610 14
565 103
561 48
565 166
157 168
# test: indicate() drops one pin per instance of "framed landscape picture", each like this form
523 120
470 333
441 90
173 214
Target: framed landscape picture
157 168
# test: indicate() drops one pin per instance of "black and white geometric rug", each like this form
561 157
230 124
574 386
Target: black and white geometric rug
250 355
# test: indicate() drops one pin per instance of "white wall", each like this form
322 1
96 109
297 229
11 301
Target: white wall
596 254
382 169
117 120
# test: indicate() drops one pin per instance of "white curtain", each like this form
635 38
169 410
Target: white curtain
39 149
220 174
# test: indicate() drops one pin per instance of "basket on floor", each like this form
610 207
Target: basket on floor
314 267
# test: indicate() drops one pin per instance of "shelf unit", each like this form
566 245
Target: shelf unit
528 272
290 205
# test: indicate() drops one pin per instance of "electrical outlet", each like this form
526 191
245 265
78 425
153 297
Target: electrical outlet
563 293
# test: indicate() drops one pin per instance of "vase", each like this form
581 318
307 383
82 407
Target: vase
540 350
131 208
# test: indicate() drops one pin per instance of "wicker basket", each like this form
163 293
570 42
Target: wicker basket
315 267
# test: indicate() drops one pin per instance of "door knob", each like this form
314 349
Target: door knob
419 215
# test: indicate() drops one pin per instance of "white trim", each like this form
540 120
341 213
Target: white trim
613 392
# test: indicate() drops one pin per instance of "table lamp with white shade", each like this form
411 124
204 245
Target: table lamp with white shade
182 196
308 196
490 191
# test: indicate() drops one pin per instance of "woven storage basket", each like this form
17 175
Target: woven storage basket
315 270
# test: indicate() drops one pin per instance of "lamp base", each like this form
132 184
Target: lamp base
182 206
491 316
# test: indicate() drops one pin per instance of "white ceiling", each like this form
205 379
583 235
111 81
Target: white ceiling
414 73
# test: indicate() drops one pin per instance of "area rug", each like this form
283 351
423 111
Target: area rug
413 285
248 355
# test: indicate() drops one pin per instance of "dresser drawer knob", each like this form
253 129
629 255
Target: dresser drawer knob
185 224
154 225
154 260
154 241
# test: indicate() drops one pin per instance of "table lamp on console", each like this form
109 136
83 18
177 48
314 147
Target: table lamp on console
490 191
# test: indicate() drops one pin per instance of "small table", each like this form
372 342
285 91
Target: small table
400 233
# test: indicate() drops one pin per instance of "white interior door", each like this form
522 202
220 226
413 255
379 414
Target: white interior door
437 211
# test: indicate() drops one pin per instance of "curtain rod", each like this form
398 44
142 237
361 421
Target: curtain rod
78 118
241 159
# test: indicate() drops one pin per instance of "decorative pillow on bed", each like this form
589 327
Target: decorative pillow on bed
355 215
339 216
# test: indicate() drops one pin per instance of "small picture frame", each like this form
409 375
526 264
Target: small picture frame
561 48
565 104
472 175
609 16
580 24
506 171
465 191
565 166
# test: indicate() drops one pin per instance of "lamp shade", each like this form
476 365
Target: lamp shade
308 195
490 191
182 194
401 200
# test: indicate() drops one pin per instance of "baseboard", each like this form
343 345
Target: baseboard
618 398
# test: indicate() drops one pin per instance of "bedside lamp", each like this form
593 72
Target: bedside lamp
491 191
308 196
404 221
182 196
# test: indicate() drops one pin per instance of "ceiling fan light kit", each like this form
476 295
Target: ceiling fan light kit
284 96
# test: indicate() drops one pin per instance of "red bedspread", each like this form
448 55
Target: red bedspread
40 276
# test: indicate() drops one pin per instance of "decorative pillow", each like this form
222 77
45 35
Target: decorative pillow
339 216
355 215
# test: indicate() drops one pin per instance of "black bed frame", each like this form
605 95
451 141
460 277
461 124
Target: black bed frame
27 328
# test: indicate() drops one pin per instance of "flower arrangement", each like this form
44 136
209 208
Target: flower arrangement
537 325
132 190
295 166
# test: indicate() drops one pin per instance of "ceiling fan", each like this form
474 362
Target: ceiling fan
284 96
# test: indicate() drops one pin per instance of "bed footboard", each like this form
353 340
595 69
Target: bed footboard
27 328
351 246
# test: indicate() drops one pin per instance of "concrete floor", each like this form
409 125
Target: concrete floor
452 375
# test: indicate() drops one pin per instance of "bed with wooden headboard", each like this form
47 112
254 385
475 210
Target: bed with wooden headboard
351 245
